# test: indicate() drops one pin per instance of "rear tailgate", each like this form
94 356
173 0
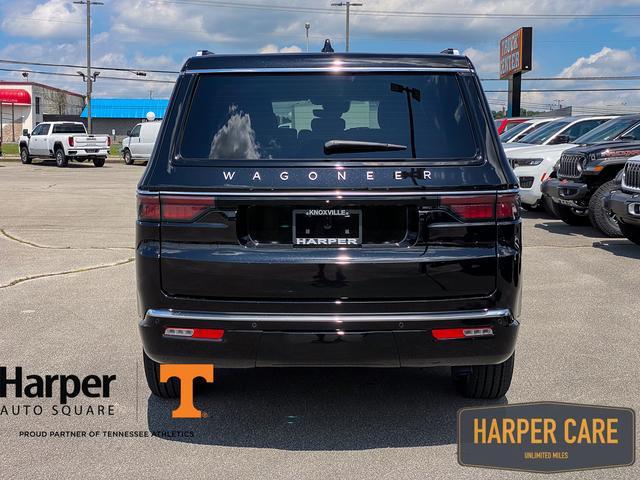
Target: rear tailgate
90 142
414 247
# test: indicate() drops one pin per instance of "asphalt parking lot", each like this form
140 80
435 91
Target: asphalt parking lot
68 305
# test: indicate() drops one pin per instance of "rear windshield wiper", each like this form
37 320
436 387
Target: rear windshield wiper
354 146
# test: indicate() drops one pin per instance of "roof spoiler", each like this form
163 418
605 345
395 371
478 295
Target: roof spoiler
450 51
202 53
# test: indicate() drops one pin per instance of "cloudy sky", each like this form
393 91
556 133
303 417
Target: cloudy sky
160 34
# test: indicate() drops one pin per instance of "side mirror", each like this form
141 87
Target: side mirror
25 132
128 133
560 139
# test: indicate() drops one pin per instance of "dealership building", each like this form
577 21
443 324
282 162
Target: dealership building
25 104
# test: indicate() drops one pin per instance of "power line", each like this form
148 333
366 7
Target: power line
141 69
404 13
68 65
75 75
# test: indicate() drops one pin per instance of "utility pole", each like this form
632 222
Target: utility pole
307 26
348 5
89 78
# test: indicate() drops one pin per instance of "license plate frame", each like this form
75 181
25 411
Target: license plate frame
309 227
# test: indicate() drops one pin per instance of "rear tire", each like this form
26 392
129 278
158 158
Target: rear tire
61 160
24 155
171 389
127 158
631 232
568 216
600 218
98 162
486 381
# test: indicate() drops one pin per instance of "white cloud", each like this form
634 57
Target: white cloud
608 61
486 62
273 48
51 19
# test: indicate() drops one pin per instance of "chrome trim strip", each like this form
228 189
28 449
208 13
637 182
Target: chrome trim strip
385 317
330 193
334 69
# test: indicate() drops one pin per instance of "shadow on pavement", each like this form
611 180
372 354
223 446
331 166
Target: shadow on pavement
321 409
620 248
71 164
558 227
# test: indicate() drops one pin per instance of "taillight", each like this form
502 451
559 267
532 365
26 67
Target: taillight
149 208
481 207
184 208
70 140
484 207
508 206
172 208
108 141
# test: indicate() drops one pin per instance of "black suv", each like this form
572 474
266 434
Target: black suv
585 176
624 201
330 210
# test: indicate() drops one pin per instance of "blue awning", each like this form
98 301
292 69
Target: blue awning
126 107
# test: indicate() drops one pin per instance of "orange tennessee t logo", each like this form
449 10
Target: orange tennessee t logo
186 373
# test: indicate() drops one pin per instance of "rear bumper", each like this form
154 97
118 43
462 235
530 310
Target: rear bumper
375 340
565 191
85 154
625 206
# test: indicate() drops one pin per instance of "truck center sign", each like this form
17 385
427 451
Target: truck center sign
515 53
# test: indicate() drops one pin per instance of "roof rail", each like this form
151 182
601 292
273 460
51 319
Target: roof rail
451 51
202 53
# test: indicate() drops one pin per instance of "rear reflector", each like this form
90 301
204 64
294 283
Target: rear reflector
455 333
205 333
183 208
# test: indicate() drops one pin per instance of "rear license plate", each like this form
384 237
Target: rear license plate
327 227
91 150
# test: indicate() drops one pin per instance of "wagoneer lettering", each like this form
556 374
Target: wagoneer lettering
359 198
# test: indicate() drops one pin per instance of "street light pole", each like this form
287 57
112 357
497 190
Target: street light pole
307 26
348 6
89 79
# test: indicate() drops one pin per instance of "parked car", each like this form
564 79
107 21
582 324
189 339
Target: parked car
562 131
506 124
340 241
585 176
139 142
516 133
623 203
533 165
63 141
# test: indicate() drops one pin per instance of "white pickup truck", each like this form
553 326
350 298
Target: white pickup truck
64 141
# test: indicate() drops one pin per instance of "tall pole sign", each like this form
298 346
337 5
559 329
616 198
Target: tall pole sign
515 58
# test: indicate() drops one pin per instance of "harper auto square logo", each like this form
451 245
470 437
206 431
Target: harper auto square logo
60 387
186 374
338 174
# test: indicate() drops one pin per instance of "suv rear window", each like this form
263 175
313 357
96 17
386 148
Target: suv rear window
292 116
68 128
